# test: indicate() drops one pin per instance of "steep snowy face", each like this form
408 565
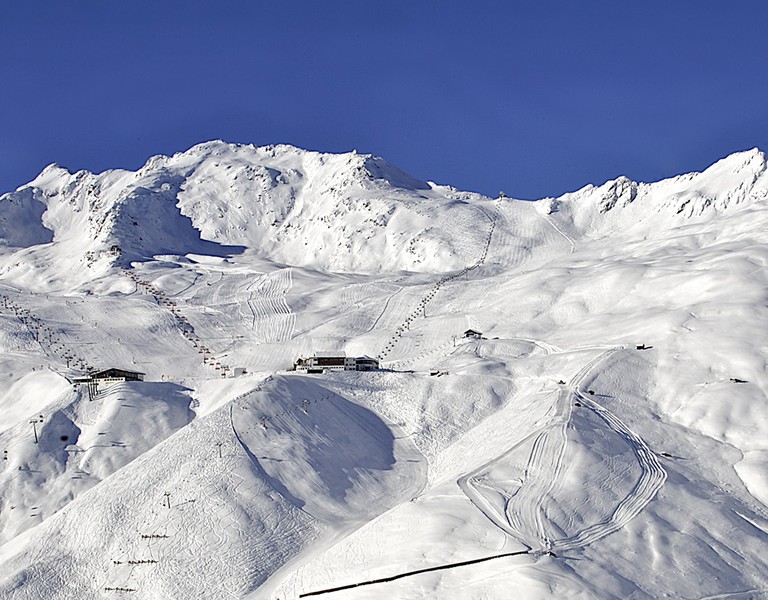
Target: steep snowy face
80 223
21 220
346 212
733 183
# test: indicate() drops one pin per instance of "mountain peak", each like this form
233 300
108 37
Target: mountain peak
53 172
749 163
357 166
733 182
744 157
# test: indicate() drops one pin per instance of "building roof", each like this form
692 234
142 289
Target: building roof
472 331
334 354
112 372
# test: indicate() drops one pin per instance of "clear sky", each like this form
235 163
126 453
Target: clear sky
533 98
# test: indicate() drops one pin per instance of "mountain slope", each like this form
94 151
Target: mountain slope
335 212
733 183
608 424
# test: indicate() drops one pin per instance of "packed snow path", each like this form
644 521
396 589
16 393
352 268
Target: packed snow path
518 509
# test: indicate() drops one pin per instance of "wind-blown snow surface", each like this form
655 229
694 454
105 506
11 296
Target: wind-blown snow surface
623 472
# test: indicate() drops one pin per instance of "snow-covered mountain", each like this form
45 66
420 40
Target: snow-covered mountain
347 212
604 437
735 181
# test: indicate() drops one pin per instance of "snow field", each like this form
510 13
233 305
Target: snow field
81 442
642 470
211 525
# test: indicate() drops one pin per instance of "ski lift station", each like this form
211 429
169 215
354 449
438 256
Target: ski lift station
335 361
110 376
97 379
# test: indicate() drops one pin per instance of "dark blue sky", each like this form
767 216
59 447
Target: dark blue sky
533 98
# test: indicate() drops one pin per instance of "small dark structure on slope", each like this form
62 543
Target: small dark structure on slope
472 334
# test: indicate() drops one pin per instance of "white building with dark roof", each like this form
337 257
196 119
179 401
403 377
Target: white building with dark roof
111 376
335 361
98 379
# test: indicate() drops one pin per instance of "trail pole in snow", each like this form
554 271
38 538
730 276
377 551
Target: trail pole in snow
167 499
34 426
219 444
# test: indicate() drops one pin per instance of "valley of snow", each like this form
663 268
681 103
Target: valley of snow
605 437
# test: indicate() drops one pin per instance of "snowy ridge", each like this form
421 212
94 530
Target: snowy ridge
734 182
604 432
338 212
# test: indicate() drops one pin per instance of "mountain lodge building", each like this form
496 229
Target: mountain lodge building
335 361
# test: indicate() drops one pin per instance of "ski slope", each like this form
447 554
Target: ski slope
605 438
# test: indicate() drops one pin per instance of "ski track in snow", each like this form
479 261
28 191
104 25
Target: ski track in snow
515 242
745 594
356 297
270 316
260 301
182 323
568 238
652 477
375 323
523 515
49 340
505 239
